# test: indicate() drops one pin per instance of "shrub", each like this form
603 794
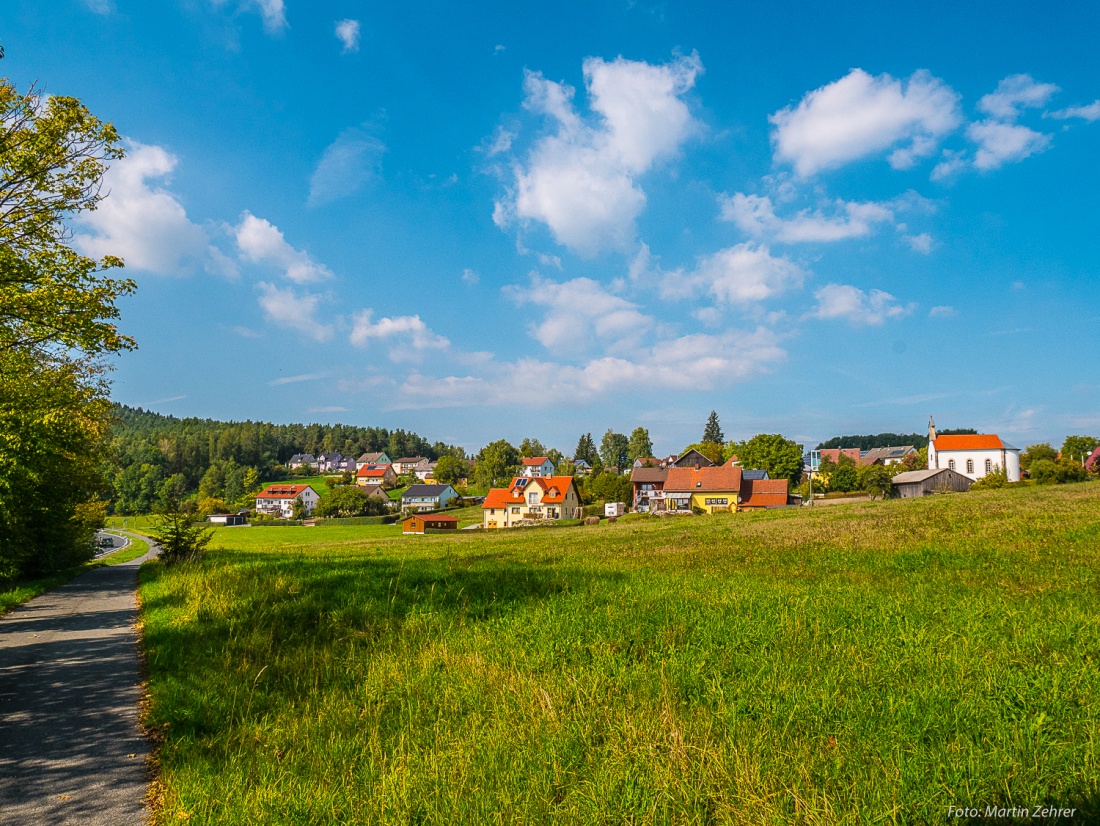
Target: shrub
180 536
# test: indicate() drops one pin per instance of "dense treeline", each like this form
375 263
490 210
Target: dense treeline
868 442
155 456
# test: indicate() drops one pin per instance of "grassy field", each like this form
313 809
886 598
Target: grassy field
866 663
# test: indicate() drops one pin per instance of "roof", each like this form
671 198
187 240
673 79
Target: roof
282 491
649 474
372 458
979 441
754 475
764 493
535 461
411 460
896 452
693 457
435 517
913 476
424 490
715 478
372 471
554 489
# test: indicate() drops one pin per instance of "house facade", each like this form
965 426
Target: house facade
372 459
409 464
422 523
530 499
425 472
376 476
714 489
974 456
537 466
278 500
649 485
887 455
916 483
427 497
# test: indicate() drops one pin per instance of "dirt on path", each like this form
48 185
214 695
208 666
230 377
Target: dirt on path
70 747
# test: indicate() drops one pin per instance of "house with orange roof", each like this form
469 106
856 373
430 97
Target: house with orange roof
531 499
376 476
718 489
537 466
974 455
278 500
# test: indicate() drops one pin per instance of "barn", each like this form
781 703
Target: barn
420 523
914 483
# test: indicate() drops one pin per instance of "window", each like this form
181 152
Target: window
724 501
988 465
532 498
950 464
969 465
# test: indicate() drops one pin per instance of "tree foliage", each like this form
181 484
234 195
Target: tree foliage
712 432
1037 453
1078 448
780 457
711 450
349 501
497 463
640 446
182 538
614 449
530 448
586 450
876 480
449 469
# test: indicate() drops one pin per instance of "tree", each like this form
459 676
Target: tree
449 469
1078 448
780 457
613 449
530 448
586 450
712 433
845 478
639 446
713 451
350 501
1037 453
180 536
876 480
497 463
611 487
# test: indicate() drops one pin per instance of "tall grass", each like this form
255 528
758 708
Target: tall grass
869 663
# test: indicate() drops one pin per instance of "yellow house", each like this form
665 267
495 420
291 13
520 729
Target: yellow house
710 489
534 498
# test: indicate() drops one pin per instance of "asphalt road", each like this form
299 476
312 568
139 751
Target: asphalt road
70 747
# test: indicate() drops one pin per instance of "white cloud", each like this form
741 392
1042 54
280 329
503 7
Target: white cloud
851 303
273 13
942 311
297 379
920 243
1013 94
740 274
694 362
860 115
579 312
99 6
470 277
1091 112
408 334
143 223
293 311
1001 143
261 242
350 161
347 32
581 181
755 215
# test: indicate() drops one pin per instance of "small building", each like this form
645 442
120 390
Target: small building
379 458
228 519
649 483
614 508
422 523
582 467
531 499
692 458
1092 460
710 489
376 476
409 464
646 461
974 456
916 483
887 455
425 472
299 459
834 454
537 466
278 500
427 497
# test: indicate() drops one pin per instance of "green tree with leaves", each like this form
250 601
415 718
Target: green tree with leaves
349 501
531 447
1041 452
780 457
712 433
180 534
640 446
586 450
449 469
614 449
876 480
1079 448
497 463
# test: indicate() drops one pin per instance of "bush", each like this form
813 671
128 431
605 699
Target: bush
180 536
991 481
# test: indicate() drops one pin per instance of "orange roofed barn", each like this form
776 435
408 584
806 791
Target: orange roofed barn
531 499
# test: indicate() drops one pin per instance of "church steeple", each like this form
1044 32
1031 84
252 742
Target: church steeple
931 429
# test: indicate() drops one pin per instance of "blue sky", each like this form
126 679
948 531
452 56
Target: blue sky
510 221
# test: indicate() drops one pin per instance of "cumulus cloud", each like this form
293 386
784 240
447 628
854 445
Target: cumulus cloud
1090 113
142 222
851 303
755 214
261 242
741 274
860 115
294 311
1014 94
942 311
273 13
580 311
921 243
694 362
581 180
349 162
470 277
347 32
408 335
1001 143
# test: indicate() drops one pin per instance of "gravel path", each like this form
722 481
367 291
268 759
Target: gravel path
70 748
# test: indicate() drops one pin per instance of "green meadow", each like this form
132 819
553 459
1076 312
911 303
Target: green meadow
866 663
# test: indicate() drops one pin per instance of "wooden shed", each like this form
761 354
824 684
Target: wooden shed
914 483
423 522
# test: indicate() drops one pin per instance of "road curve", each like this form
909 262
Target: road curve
70 747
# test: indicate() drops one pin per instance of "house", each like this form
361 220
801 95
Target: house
760 494
228 519
887 455
646 461
754 475
409 464
914 483
372 459
278 500
425 472
537 466
974 456
711 489
614 509
649 484
422 523
834 453
583 468
427 497
379 493
379 476
299 459
1092 460
530 499
693 458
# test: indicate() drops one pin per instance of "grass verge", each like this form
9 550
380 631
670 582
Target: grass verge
865 663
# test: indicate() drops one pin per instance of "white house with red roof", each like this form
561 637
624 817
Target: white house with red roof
278 500
531 498
974 455
537 466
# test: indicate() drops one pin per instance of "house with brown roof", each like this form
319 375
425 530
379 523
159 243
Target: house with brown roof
278 500
649 485
758 494
408 464
379 458
974 456
537 466
420 523
691 458
718 489
531 499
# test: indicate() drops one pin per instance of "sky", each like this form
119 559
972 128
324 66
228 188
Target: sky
500 220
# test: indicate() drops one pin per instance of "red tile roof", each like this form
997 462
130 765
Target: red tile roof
712 479
554 489
281 491
980 441
371 471
429 519
534 461
764 493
